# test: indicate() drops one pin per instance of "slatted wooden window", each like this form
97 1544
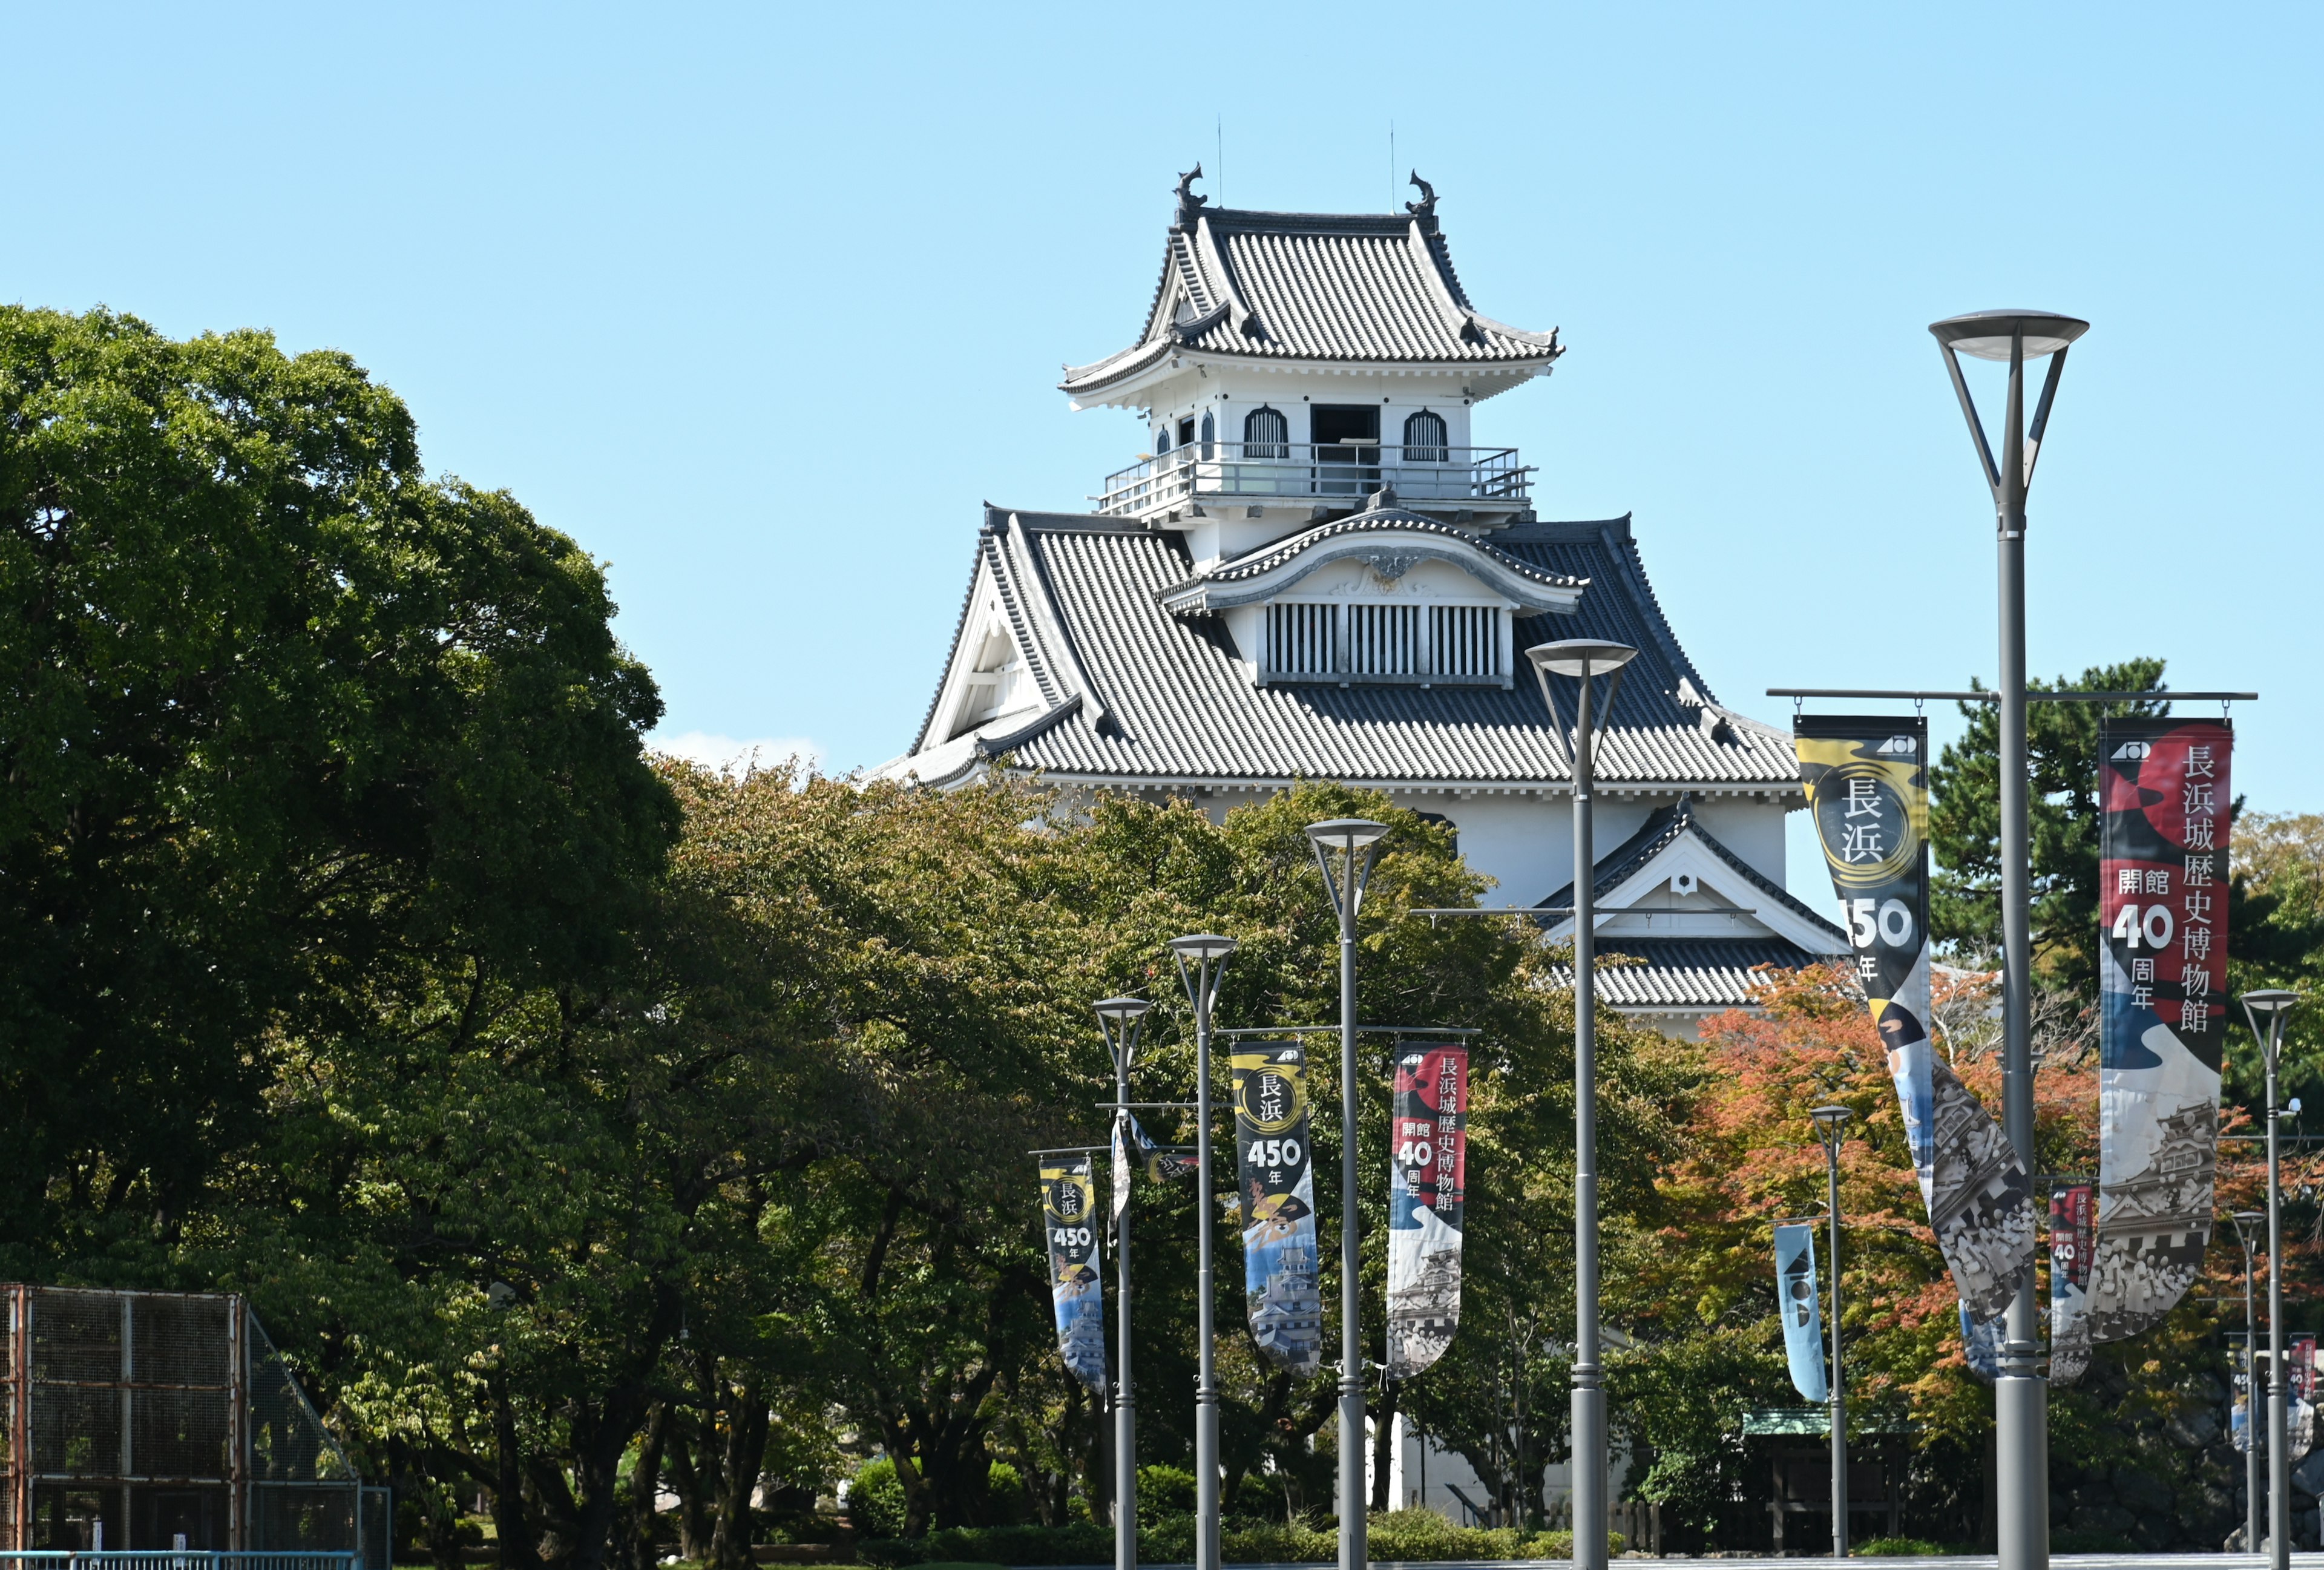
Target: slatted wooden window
1424 439
1301 641
1265 434
1384 640
1466 639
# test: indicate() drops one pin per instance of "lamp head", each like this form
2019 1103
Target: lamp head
1829 1118
1122 1010
2264 1012
1986 333
1203 947
1573 656
1347 834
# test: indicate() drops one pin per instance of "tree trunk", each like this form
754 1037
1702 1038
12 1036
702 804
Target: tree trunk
632 1544
746 1454
693 1490
520 1550
1384 1451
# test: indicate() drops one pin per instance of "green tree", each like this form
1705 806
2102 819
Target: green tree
287 727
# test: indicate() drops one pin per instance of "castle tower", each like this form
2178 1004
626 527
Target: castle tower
1317 567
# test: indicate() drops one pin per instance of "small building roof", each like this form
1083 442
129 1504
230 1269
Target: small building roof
1662 827
1351 287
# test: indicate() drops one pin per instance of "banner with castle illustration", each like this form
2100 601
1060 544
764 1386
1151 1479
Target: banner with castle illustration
2073 1228
1795 1299
1427 1184
2162 978
1867 787
1069 1215
1281 1294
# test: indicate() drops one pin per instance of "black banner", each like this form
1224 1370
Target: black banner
1868 794
1069 1216
1281 1295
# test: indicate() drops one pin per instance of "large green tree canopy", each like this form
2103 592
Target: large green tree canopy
286 723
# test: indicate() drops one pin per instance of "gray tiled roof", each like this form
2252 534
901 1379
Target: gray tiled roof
1666 824
1165 701
1687 973
1317 286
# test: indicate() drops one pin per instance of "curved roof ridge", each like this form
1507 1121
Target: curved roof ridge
1267 557
1632 566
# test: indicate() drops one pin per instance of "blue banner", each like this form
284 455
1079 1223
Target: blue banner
1981 1345
1796 1289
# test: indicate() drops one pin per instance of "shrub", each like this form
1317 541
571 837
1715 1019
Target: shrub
1168 1540
1559 1545
1910 1547
875 1500
1276 1543
1163 1492
1080 1543
1418 1535
1415 1536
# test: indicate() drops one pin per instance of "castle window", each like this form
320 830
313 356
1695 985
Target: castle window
1265 434
1185 432
1302 639
1424 439
1466 639
1210 432
1384 640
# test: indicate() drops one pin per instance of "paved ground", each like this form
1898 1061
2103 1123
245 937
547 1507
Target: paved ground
1960 1562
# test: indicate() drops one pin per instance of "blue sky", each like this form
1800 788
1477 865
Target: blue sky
760 302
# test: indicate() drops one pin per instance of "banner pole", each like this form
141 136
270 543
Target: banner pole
1355 1499
2021 1404
1206 1390
1589 1463
1125 1400
2279 1425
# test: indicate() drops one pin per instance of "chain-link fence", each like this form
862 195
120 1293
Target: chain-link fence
160 1423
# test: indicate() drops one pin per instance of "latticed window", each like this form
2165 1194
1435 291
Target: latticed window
1265 434
1465 639
1424 439
1301 641
1384 640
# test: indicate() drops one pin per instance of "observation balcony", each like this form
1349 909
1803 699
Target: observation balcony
1463 485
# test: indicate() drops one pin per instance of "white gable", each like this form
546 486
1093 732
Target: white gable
1688 889
991 678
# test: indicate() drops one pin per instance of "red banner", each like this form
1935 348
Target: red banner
2162 980
1428 1181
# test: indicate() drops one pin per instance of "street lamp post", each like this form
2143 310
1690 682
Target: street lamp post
1582 659
2264 1010
1830 1124
1121 1020
2021 1398
1200 958
2247 1234
1344 848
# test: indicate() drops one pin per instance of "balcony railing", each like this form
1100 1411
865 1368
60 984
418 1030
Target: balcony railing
1434 476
